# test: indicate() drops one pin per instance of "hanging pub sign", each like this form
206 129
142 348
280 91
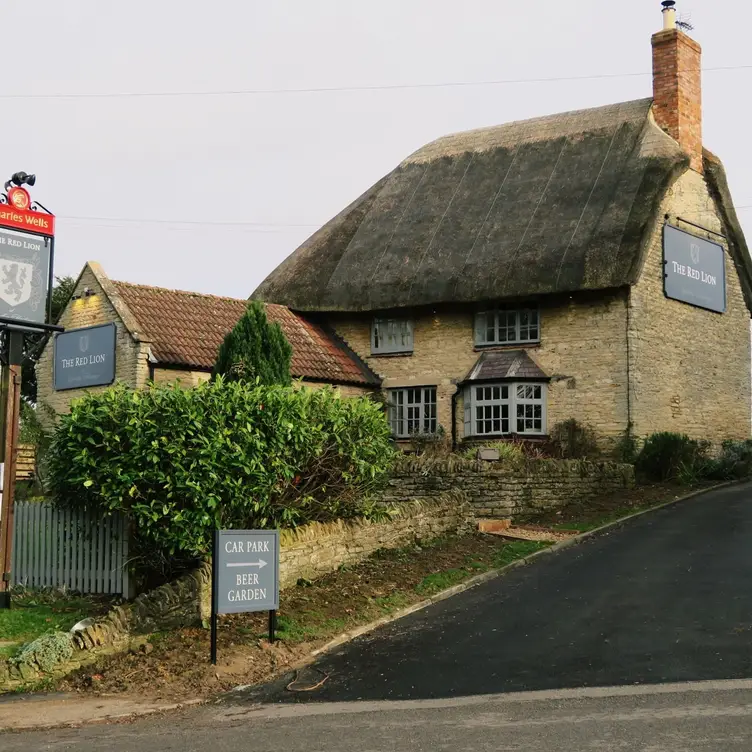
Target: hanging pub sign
694 270
85 357
26 256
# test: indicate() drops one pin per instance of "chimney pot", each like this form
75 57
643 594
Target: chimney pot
669 14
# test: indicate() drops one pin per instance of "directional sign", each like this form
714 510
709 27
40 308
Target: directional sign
247 571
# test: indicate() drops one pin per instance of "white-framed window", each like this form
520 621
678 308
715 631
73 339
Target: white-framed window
505 408
391 336
412 411
507 326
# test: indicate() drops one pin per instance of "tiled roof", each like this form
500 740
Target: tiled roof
498 365
187 328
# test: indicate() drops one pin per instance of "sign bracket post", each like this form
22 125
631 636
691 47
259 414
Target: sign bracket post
214 595
272 626
11 407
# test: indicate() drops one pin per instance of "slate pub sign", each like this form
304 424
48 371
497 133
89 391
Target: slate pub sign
85 357
694 270
24 276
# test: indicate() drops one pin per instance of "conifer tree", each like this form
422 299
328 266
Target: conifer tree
255 349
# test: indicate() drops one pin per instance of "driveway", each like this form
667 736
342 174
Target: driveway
665 598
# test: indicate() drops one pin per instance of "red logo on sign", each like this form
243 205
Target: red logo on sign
19 198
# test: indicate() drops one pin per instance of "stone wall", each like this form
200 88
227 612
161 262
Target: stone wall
690 368
185 378
318 549
583 348
498 489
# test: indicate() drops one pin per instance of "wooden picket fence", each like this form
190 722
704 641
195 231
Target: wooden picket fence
62 548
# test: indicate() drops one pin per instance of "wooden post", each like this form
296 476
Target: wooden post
11 408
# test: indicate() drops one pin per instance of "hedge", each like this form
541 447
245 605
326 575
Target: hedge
181 463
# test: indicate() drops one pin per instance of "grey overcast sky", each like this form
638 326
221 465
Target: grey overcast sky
209 192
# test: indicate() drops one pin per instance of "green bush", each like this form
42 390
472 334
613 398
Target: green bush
570 440
255 350
509 451
672 456
734 461
181 463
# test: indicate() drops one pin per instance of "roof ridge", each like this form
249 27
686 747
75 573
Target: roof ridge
192 293
577 117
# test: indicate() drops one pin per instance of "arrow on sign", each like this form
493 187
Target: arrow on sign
260 564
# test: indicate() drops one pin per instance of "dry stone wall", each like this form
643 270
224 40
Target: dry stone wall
318 549
498 489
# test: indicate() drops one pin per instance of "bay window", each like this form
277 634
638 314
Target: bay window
505 408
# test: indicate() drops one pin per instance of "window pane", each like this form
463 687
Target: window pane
507 326
392 335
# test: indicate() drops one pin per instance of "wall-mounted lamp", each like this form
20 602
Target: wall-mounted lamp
87 293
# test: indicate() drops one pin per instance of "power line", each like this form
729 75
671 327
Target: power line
334 89
261 226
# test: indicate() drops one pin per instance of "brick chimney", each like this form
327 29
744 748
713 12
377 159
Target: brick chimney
677 85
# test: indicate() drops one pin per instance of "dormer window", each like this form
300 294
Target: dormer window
507 326
391 336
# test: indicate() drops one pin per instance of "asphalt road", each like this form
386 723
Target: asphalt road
665 719
665 598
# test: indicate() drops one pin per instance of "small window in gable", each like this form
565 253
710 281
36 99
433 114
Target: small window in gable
391 336
507 326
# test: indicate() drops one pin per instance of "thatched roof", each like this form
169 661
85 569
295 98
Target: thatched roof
552 205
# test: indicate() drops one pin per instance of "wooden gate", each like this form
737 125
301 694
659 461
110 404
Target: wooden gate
62 548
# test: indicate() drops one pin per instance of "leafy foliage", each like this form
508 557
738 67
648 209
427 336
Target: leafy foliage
181 463
734 461
255 350
628 447
437 444
672 456
570 440
46 651
509 451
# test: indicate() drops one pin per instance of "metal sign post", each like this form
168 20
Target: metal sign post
27 249
245 576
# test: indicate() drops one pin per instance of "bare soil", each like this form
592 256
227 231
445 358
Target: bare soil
174 666
589 514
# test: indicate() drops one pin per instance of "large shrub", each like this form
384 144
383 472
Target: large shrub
255 350
672 456
570 440
181 463
734 461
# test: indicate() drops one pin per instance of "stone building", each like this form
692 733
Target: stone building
170 335
585 265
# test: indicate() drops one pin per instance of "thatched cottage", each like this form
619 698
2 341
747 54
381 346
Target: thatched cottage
588 265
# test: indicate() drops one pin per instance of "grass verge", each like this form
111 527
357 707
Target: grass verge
35 612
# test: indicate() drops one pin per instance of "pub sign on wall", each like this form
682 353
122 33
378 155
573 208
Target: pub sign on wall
694 270
85 357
